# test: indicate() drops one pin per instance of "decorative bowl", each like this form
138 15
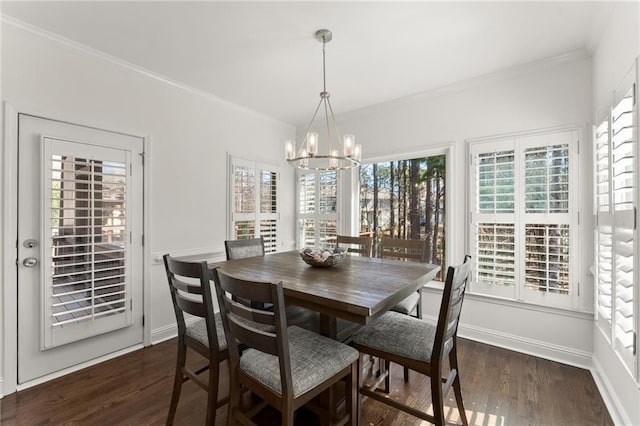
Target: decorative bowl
323 258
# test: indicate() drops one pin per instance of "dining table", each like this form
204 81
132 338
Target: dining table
358 289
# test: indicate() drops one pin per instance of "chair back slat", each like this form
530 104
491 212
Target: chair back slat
451 307
187 287
190 306
245 311
240 249
245 333
395 248
362 245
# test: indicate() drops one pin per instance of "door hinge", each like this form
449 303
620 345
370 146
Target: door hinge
142 154
578 285
578 142
143 320
578 218
131 304
143 239
130 237
635 343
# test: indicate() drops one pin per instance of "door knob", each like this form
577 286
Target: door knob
30 262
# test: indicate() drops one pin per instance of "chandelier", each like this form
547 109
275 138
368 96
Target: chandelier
307 155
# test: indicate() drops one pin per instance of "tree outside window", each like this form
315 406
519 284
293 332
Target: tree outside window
405 199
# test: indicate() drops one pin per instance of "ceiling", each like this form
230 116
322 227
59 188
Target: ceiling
263 56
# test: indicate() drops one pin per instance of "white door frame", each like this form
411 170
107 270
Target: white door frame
9 251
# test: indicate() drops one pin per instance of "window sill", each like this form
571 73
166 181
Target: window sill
437 286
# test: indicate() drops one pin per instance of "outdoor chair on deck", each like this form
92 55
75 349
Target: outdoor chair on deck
286 366
189 285
421 346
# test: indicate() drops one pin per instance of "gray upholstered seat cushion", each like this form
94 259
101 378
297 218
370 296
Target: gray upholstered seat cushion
399 334
198 331
314 358
408 304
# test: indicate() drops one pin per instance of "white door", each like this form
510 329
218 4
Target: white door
79 244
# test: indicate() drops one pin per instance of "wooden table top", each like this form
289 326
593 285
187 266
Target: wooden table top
358 289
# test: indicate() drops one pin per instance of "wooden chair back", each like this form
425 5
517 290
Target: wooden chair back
360 245
247 326
240 249
395 248
450 308
190 288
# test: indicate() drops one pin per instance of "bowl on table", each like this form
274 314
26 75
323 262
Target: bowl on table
323 258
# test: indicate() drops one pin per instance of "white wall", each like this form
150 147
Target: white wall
614 57
551 94
189 136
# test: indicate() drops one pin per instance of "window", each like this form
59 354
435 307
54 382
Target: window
317 208
406 199
523 221
615 195
254 202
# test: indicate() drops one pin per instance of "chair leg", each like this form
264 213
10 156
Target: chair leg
457 389
437 400
212 394
351 394
235 396
288 416
387 380
359 383
177 381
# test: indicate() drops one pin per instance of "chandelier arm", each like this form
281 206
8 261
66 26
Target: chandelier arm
313 118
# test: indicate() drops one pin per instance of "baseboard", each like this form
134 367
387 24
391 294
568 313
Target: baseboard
545 350
606 389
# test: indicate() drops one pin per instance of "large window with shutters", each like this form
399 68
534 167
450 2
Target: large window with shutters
317 194
615 204
254 202
523 218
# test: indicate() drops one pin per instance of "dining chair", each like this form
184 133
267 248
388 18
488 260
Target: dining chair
416 250
189 285
421 346
360 245
240 249
284 365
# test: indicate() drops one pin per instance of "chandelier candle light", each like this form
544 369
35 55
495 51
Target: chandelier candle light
307 155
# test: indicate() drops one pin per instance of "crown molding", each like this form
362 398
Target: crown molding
467 84
71 44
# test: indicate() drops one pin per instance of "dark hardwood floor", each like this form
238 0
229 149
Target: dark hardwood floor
499 387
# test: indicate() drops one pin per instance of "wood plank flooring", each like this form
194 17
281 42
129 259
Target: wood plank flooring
499 387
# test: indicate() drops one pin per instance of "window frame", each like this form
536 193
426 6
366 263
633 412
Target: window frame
271 245
519 142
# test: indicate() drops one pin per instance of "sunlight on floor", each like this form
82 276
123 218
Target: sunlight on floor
476 418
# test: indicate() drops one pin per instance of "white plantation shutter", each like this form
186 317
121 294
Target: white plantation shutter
616 192
523 239
254 195
87 289
317 208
